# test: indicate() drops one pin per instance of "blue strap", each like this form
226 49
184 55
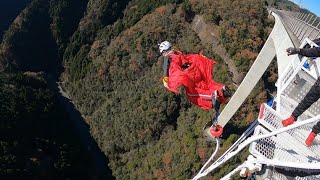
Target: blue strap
217 114
306 65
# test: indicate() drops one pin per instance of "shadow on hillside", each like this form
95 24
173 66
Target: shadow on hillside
233 129
99 167
9 10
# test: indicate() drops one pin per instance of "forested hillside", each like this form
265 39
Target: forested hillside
37 38
9 10
284 4
37 140
145 130
106 54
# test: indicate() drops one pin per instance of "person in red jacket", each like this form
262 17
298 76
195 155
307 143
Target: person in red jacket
312 96
194 72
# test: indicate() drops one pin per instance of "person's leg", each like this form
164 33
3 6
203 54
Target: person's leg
313 134
312 96
226 91
215 101
310 138
316 128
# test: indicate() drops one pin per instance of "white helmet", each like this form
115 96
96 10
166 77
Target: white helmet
165 45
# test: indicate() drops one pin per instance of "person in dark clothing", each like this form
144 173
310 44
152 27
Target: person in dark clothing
165 49
311 97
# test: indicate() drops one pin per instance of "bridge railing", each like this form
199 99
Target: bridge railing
291 83
302 25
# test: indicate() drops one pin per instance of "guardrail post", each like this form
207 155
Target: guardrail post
318 35
300 24
301 27
314 28
305 28
291 20
297 15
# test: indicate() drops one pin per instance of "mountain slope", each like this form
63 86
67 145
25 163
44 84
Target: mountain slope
28 44
36 137
110 66
37 38
144 129
9 10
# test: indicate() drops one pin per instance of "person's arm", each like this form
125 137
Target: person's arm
310 52
187 52
166 65
317 41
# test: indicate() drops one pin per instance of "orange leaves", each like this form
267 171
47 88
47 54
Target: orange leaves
131 31
193 2
134 67
253 13
95 44
262 97
202 152
232 32
159 174
167 158
100 72
255 43
247 53
157 29
253 29
161 10
258 43
113 70
250 116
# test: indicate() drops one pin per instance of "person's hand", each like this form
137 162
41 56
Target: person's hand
292 50
165 81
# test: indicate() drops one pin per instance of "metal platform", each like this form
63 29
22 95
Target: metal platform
289 146
284 148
